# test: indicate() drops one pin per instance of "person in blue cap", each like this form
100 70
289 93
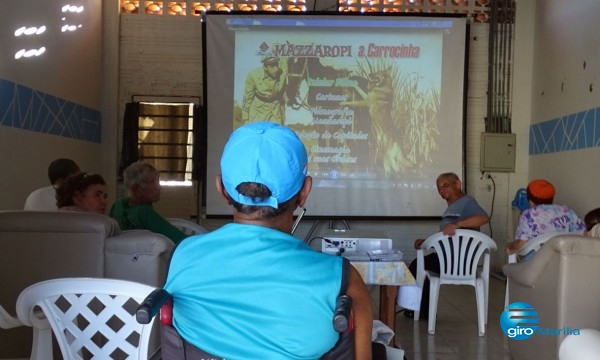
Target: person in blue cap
251 290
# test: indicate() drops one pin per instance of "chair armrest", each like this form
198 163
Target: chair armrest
139 241
583 346
138 255
536 243
188 227
527 272
151 305
7 321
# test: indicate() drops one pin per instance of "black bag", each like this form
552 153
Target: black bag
344 347
173 346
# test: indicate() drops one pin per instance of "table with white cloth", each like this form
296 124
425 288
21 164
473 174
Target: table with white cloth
389 275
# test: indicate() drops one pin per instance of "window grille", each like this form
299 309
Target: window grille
165 139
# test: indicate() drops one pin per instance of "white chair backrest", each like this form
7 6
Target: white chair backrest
459 254
458 257
534 245
187 226
90 317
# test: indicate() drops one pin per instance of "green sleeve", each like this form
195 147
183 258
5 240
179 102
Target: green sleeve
156 223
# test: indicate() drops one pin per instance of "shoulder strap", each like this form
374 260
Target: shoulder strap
344 347
345 275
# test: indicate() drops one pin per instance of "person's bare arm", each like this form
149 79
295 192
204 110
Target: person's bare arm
471 222
363 315
418 243
514 246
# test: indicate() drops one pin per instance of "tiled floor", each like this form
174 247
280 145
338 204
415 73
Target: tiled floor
456 336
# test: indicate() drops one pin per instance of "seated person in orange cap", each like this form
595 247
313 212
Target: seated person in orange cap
543 217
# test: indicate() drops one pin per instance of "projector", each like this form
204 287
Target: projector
355 241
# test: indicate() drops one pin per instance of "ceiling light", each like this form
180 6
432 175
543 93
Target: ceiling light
20 31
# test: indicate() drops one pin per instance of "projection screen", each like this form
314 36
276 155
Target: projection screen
377 100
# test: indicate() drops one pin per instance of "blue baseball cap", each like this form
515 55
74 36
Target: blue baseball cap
268 154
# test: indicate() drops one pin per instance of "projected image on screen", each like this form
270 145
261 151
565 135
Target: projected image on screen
377 102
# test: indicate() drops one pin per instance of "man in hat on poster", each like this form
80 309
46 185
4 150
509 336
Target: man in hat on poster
264 92
543 216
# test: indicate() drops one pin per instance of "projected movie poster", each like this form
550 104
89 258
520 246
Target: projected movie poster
365 105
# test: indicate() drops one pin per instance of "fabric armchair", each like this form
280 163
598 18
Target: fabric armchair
560 282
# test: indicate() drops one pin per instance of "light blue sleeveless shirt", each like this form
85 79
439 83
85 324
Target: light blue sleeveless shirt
251 292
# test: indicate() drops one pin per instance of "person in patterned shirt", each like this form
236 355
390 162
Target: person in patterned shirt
543 216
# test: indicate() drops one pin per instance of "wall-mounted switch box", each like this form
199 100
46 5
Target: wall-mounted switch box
498 152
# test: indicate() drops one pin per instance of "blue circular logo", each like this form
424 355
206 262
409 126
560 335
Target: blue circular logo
519 321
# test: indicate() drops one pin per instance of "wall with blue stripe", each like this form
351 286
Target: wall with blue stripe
570 132
28 109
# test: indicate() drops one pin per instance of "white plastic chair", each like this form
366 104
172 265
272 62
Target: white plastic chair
459 257
583 346
532 245
42 334
187 226
90 317
8 321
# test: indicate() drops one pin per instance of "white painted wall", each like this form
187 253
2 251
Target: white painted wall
521 103
566 38
151 55
70 69
71 66
161 56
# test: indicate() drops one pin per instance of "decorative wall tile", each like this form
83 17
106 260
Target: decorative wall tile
570 132
28 109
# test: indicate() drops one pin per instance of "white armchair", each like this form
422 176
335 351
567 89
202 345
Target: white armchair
187 226
532 245
583 346
47 245
559 283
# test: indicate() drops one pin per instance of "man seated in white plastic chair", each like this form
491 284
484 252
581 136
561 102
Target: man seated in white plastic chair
463 212
251 290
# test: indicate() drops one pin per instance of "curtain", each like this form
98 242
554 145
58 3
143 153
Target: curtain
199 152
129 145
